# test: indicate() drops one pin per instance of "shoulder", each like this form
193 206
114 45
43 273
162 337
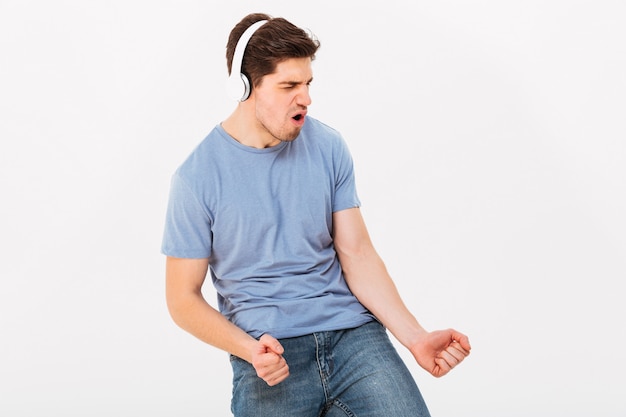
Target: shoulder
318 129
202 156
320 135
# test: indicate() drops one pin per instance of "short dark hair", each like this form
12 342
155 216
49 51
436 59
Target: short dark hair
275 41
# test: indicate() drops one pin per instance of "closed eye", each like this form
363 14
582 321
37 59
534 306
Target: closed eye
288 85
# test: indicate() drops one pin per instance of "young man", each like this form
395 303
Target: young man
267 203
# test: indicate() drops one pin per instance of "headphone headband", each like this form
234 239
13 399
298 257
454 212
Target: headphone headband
238 84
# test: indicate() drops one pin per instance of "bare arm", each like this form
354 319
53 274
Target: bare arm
437 352
190 311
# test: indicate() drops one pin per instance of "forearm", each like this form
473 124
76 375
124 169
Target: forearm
371 283
437 352
190 311
194 315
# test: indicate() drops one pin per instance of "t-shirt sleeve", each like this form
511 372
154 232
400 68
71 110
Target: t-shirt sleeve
187 224
345 184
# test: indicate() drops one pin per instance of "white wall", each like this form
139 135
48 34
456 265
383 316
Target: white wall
489 141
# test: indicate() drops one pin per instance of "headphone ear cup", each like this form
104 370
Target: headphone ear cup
247 87
238 87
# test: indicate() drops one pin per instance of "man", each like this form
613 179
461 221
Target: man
267 203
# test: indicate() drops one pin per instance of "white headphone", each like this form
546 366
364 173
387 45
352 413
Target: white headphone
239 86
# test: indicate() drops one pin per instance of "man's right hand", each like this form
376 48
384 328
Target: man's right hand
268 361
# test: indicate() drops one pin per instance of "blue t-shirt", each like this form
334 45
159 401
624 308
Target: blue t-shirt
263 217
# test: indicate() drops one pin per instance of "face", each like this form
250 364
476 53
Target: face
281 100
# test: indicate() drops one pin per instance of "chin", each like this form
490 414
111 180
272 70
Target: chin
289 136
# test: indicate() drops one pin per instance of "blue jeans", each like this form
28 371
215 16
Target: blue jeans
354 373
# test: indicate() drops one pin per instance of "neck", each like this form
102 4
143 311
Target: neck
245 128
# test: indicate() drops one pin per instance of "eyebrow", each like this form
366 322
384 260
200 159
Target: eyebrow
294 83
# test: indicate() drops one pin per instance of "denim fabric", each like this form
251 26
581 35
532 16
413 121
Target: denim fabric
354 373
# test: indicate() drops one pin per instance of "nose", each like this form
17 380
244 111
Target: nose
303 98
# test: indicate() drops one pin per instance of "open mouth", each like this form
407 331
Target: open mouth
297 117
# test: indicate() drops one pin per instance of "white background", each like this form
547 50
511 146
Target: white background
489 140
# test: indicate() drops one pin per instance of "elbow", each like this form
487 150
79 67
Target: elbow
173 308
177 306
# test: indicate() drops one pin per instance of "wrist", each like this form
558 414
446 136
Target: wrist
412 335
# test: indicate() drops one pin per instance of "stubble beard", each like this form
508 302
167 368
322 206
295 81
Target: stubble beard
284 134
